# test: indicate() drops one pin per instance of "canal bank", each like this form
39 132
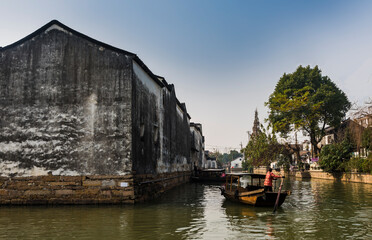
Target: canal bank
319 174
67 190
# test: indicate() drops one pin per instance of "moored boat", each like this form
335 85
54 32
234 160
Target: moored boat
210 175
253 193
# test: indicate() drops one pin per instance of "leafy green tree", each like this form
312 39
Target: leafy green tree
247 165
305 100
226 157
335 157
284 160
262 149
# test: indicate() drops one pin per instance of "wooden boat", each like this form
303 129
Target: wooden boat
253 193
210 175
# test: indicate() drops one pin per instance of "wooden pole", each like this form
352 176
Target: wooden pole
277 198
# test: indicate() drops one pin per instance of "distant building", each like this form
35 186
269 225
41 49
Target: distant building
210 161
365 121
237 164
197 145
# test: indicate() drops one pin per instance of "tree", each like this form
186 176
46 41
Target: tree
305 100
335 157
362 111
226 157
262 149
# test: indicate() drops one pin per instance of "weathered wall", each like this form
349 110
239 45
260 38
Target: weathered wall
66 190
150 186
79 118
197 146
65 107
176 139
161 133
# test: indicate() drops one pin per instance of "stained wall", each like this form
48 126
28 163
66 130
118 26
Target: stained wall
65 106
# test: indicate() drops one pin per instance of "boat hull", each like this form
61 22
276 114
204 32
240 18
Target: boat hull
266 199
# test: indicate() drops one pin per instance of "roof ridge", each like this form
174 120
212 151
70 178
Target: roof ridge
79 34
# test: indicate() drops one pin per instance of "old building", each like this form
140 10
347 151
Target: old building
197 145
85 122
237 164
354 128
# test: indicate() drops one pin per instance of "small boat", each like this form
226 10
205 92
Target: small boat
210 175
253 193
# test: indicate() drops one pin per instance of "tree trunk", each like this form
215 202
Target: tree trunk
314 144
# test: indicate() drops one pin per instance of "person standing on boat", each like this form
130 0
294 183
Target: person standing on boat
269 180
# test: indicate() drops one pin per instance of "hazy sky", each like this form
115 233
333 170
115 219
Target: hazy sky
224 57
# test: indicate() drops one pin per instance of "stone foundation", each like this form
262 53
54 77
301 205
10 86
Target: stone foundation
150 186
66 190
53 190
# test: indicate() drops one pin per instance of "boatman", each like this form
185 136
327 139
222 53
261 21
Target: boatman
269 180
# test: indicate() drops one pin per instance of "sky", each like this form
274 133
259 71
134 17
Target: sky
224 57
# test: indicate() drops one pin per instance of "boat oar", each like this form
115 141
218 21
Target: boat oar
277 198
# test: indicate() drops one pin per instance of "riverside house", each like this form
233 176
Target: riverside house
86 122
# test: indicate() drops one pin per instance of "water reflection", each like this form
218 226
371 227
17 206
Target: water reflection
317 209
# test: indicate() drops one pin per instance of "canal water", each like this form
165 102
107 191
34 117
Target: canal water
317 209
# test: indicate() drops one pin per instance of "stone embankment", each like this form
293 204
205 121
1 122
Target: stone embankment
346 177
52 190
66 190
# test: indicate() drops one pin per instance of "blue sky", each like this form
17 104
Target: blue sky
224 57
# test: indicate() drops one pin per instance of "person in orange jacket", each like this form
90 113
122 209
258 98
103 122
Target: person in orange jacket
269 180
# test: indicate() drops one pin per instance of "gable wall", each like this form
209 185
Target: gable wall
65 106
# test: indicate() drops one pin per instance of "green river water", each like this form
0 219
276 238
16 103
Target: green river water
317 209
